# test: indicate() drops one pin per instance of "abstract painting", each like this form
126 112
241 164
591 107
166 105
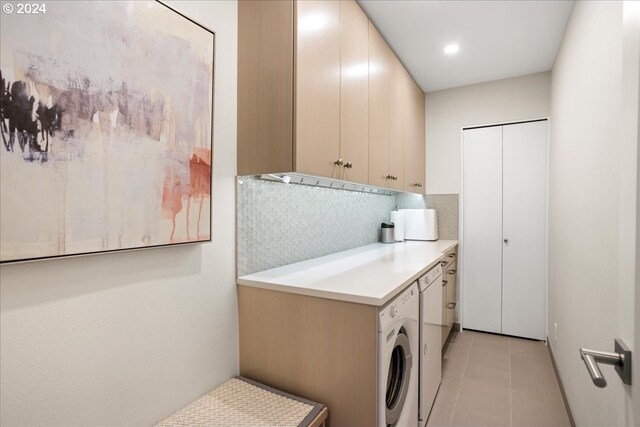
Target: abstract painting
106 116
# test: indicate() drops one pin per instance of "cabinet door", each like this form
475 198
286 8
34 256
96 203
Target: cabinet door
414 139
430 339
379 98
524 211
317 112
482 222
445 301
354 92
397 104
451 294
265 87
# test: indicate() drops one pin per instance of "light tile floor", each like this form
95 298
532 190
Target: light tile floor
492 380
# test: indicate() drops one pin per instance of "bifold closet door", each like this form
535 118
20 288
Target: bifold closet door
482 228
524 171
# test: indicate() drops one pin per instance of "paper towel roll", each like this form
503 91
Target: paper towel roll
397 218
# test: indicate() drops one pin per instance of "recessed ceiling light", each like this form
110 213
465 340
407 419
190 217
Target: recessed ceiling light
451 49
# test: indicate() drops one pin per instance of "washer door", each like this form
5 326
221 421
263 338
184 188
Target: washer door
398 377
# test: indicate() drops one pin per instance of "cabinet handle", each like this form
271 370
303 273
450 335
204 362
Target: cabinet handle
451 272
338 162
348 165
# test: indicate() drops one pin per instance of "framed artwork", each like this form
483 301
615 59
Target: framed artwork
106 116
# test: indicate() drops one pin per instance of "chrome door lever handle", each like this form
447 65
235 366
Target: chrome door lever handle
620 359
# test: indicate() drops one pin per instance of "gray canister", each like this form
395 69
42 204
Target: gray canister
387 232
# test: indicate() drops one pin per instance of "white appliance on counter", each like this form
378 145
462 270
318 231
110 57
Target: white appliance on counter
430 286
415 224
398 331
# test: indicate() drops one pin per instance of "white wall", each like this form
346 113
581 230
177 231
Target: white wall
589 174
449 110
128 338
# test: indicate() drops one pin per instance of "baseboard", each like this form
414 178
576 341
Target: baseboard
564 396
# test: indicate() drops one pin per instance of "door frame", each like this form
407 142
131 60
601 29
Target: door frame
629 188
461 217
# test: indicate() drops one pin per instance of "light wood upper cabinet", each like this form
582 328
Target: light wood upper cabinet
387 87
317 78
379 108
414 138
397 107
320 92
265 86
354 92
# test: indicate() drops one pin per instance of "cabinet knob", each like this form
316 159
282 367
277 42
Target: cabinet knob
348 165
394 177
417 184
338 162
388 177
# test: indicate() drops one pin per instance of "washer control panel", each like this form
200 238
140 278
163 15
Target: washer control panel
398 307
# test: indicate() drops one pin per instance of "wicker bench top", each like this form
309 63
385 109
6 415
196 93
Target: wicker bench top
241 402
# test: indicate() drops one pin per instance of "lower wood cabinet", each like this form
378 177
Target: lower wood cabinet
449 293
324 350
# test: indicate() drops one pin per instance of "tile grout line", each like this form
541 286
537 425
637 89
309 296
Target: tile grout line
510 389
466 363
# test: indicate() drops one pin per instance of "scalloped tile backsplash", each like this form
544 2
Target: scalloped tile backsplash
280 224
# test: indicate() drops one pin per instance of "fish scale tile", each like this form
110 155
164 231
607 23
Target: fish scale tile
279 224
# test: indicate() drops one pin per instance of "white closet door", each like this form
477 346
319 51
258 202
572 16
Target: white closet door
482 228
524 216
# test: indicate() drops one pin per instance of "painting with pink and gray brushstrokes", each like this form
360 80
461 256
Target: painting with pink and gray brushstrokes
106 123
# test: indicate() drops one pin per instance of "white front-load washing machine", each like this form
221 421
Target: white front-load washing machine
398 360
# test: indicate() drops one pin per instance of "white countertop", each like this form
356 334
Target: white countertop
371 274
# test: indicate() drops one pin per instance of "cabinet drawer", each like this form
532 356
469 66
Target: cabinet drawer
446 262
452 269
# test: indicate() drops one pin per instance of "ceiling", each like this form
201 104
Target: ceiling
497 39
